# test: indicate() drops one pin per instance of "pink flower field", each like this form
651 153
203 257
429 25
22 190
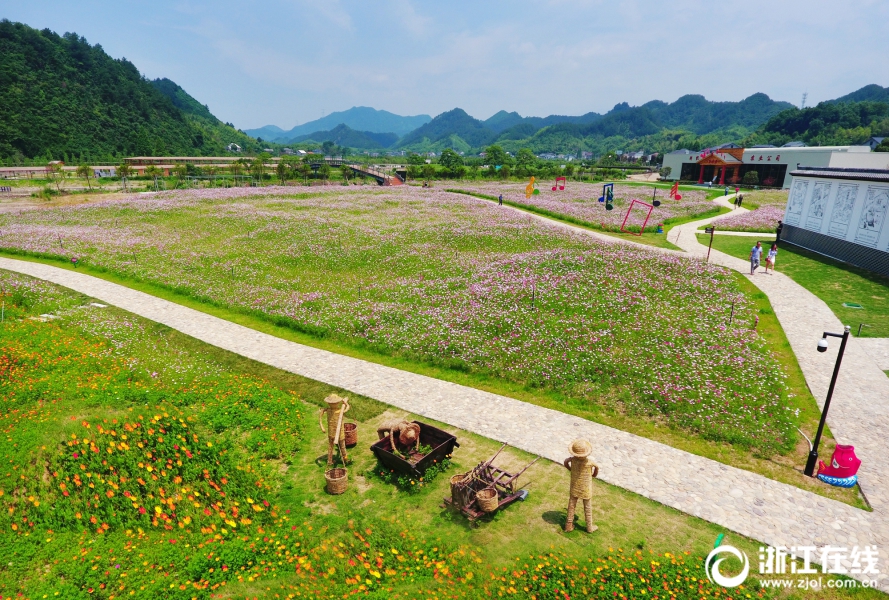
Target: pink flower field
451 280
579 202
764 219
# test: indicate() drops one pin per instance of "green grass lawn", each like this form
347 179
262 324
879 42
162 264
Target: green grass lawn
832 281
126 414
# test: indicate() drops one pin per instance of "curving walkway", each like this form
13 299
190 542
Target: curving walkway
771 512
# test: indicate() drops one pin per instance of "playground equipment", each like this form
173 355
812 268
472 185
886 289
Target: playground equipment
531 188
674 192
607 196
627 216
560 180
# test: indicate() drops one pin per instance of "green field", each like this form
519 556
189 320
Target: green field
224 456
834 282
453 288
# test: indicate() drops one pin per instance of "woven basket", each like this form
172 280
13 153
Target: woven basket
458 493
487 499
351 431
337 479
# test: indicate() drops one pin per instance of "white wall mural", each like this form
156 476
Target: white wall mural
817 205
795 202
841 215
873 215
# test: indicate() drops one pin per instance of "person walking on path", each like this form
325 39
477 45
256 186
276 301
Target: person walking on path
500 200
583 470
740 199
726 191
755 256
771 257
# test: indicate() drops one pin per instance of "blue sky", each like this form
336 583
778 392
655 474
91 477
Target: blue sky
286 62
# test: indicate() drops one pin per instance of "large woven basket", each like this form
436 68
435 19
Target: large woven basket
487 499
337 479
351 434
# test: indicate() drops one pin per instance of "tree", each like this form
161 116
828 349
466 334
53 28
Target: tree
282 171
504 172
257 165
428 172
664 172
750 178
495 155
883 147
86 172
347 172
305 169
324 171
450 160
525 159
328 148
55 174
123 171
415 160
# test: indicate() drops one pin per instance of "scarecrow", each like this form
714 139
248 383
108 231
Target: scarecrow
582 472
336 408
408 434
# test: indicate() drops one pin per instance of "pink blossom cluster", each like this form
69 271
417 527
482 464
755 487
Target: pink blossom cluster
764 219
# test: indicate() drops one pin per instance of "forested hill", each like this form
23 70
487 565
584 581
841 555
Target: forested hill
832 123
62 98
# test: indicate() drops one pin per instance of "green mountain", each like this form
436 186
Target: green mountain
62 98
345 136
833 123
869 93
452 129
656 126
359 118
182 100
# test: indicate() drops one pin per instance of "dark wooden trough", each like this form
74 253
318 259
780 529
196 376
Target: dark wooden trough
441 442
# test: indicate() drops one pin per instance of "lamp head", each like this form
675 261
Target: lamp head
822 345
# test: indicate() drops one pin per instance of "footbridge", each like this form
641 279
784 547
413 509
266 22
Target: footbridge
381 177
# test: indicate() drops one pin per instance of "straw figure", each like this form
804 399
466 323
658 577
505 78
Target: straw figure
408 434
582 472
336 436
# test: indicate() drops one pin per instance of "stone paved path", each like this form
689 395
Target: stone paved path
877 349
771 512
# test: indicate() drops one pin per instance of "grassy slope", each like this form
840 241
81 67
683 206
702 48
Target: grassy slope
626 521
832 281
785 471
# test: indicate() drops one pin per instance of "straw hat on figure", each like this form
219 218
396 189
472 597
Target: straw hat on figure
336 436
582 472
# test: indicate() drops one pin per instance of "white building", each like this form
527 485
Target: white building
840 213
727 164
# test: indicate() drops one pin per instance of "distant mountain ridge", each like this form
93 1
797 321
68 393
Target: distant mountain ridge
358 118
693 114
345 136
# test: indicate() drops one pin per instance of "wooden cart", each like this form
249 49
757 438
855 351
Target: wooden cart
486 475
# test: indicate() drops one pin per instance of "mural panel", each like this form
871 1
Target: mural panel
873 215
817 204
795 202
842 210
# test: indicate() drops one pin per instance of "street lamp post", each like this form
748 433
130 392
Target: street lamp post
822 347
